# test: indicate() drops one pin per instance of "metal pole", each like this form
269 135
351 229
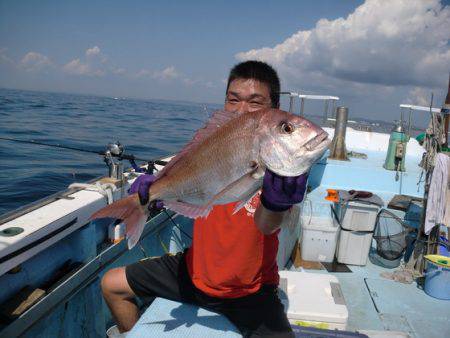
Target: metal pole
445 110
291 103
338 149
401 117
325 113
409 122
446 128
302 106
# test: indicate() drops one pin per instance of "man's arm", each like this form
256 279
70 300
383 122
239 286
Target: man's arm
278 196
269 221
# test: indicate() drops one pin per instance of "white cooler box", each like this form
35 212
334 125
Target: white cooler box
312 299
355 238
354 247
319 236
358 216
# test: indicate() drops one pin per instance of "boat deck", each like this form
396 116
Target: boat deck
376 303
373 302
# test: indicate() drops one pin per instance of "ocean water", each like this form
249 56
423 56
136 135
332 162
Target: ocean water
147 128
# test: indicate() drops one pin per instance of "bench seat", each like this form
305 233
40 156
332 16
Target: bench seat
166 318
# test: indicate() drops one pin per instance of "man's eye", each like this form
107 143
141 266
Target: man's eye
233 100
256 105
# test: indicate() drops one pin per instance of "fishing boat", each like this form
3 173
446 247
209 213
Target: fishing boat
338 263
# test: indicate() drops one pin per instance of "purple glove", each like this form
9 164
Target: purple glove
142 185
279 193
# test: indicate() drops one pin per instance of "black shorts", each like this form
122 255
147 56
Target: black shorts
257 315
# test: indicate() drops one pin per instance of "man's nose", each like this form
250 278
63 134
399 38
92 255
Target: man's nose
242 107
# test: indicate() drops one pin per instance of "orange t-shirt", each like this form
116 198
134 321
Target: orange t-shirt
230 257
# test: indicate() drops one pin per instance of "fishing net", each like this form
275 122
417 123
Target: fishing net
390 235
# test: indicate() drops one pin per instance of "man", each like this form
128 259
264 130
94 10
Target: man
231 266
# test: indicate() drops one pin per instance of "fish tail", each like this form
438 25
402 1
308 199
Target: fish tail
132 214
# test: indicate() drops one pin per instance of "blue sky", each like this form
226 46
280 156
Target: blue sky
368 53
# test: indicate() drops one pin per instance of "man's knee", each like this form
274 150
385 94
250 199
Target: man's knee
114 283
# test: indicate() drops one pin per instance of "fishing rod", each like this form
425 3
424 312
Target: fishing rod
114 149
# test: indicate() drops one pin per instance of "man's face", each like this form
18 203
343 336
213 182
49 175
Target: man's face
247 95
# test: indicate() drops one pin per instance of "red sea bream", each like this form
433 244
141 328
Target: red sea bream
224 163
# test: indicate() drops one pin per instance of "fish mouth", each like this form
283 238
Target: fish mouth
316 141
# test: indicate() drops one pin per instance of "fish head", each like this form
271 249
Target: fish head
290 144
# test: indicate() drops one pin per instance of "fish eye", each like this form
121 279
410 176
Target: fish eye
287 127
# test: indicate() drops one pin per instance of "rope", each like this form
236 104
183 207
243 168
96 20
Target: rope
105 189
164 247
434 138
176 224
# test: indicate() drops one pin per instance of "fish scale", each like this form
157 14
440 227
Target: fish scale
220 160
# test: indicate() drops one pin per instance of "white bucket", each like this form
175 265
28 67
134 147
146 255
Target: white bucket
319 237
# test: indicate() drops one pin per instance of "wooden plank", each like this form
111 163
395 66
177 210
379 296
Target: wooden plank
402 202
299 262
21 302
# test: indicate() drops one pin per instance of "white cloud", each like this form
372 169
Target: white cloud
5 58
95 63
383 43
168 73
119 71
34 61
143 73
419 96
93 51
189 82
94 54
77 67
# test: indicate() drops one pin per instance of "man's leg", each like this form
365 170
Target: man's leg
258 315
164 276
120 299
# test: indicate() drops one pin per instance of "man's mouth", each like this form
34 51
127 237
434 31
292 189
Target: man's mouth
311 145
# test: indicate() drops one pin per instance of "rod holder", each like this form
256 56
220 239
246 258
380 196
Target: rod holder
338 150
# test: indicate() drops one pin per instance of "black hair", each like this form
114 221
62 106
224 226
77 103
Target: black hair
260 71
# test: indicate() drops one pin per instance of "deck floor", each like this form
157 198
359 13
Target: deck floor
376 303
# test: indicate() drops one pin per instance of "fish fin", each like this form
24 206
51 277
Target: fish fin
132 214
133 232
257 176
244 201
187 209
217 120
247 179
